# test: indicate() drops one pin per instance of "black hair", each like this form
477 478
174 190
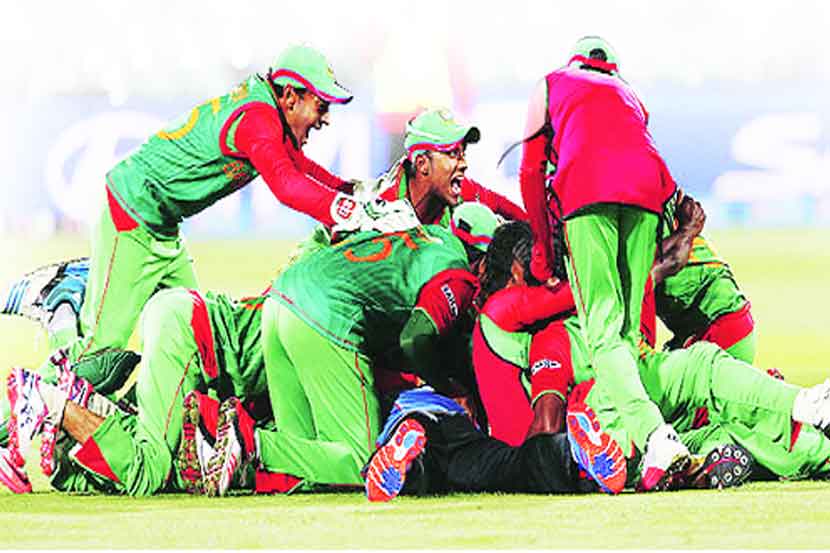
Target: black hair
278 92
512 240
598 54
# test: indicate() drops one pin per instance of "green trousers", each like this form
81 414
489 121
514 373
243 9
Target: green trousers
125 269
326 412
752 408
136 452
610 253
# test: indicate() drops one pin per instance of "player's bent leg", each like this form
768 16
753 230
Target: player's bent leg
140 458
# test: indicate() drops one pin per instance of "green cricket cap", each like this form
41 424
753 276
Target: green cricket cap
305 67
474 224
436 129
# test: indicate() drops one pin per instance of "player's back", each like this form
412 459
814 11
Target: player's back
187 166
360 292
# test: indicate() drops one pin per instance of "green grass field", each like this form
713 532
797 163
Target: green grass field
785 274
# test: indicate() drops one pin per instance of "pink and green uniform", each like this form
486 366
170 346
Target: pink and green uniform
609 187
330 317
190 341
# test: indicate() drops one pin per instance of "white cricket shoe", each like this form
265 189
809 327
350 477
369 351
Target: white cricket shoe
812 406
665 456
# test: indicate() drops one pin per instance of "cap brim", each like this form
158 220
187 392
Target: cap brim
336 94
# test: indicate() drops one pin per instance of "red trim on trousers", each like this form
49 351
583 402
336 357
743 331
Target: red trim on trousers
203 334
102 301
90 456
365 402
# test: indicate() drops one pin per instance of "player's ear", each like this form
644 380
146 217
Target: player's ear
290 97
422 165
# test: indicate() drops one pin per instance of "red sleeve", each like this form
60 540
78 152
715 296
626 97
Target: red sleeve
532 179
447 295
320 174
259 136
551 369
471 191
518 307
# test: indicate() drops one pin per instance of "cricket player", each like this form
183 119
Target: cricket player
522 360
190 341
326 319
432 173
609 188
703 302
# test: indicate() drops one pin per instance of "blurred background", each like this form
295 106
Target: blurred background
738 92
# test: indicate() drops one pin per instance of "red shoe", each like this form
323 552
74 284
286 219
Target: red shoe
386 472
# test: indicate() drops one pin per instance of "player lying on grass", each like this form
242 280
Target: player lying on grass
703 302
185 335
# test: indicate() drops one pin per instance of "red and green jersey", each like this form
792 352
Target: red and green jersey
396 183
212 151
188 165
360 293
699 293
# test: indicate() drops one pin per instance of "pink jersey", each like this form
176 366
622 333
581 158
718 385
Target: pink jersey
601 146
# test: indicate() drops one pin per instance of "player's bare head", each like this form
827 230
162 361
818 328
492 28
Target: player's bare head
305 87
436 147
507 260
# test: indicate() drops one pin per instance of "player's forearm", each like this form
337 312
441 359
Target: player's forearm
676 250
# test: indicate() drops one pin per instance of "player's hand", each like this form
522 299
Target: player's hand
539 266
690 216
376 214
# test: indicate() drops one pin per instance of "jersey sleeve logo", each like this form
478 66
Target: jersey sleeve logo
544 364
451 301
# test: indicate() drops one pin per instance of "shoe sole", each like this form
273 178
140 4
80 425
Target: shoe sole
725 467
598 460
386 474
187 458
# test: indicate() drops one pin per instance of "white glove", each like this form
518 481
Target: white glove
374 214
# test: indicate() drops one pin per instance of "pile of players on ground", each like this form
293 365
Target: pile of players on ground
429 336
